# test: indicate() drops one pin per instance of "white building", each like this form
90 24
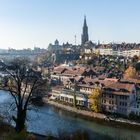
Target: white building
67 96
106 51
125 53
135 109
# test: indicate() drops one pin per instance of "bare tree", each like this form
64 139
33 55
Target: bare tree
22 83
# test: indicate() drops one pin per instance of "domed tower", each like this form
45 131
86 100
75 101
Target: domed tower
56 42
84 37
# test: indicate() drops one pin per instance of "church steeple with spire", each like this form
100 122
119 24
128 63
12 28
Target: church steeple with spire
84 37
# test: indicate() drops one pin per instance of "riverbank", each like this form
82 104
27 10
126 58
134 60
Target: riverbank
99 117
51 120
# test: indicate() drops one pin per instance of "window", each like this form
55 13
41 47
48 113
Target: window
81 102
71 100
66 99
62 98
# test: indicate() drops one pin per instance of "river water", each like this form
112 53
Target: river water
49 120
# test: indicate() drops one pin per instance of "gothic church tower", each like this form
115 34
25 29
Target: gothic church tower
84 37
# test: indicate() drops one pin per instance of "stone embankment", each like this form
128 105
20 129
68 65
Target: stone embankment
91 115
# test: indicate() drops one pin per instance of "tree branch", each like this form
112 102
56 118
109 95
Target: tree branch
31 91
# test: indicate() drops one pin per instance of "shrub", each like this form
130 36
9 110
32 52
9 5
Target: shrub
17 136
80 135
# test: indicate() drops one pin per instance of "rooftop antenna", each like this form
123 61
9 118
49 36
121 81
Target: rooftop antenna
34 45
75 39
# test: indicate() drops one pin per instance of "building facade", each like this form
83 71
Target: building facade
118 98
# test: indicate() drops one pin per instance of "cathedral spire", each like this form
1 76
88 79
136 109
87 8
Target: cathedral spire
84 37
85 22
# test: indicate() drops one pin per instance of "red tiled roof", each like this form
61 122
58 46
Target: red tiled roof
59 69
118 86
87 80
75 70
136 81
111 79
106 82
77 78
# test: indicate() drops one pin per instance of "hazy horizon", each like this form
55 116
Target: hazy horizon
29 23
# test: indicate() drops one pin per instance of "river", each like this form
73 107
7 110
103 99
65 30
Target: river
49 120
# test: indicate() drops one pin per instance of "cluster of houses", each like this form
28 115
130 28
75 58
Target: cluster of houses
119 96
123 49
113 49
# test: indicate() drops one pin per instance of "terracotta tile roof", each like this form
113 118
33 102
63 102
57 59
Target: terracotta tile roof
111 79
78 79
69 71
103 76
92 81
59 69
87 80
106 82
136 81
121 86
75 70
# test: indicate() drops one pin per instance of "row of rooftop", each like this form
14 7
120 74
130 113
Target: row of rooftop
119 95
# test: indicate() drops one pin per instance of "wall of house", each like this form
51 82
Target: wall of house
70 99
115 103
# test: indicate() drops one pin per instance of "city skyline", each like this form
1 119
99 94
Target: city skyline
25 24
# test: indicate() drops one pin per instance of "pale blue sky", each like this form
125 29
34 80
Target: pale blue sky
25 23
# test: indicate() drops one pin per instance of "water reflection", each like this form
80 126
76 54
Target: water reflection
48 119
